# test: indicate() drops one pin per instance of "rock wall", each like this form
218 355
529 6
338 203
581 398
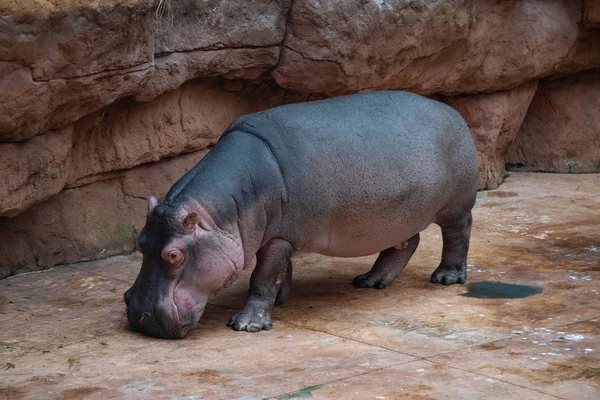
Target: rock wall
569 141
103 103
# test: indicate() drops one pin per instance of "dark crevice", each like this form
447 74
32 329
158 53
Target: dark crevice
122 71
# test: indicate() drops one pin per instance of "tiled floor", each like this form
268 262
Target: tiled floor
63 334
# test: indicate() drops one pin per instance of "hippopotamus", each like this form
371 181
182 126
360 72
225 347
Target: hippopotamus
348 176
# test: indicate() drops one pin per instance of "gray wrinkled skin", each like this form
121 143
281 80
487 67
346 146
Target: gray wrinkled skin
347 177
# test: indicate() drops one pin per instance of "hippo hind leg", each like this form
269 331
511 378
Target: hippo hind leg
456 235
388 265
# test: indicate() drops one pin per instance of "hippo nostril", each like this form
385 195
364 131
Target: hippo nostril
145 315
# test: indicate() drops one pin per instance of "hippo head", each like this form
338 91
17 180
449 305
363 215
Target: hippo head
187 257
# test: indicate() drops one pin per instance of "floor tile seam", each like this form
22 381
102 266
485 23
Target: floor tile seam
41 271
70 266
349 377
352 339
97 273
298 326
380 346
496 378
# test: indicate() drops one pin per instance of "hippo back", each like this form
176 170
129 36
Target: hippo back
372 165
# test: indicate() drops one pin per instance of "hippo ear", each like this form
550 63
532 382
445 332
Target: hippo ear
152 202
190 221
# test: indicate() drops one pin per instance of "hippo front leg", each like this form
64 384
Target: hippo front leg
272 262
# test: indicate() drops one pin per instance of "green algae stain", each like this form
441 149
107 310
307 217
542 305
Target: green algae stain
500 290
302 393
120 238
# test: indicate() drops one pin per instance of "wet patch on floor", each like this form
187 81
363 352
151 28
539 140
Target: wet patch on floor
500 290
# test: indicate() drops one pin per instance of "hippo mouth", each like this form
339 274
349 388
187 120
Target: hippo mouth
186 328
185 313
190 323
164 324
172 316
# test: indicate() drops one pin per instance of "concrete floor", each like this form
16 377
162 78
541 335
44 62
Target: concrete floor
64 334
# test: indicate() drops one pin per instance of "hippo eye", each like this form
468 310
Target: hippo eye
173 256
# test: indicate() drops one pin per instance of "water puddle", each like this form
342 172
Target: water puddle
500 290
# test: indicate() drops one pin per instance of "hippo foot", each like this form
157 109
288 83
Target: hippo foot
449 274
251 319
372 280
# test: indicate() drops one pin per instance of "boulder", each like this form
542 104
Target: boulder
34 170
457 47
196 38
494 120
63 60
561 132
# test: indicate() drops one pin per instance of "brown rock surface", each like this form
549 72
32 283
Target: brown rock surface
187 119
93 57
34 170
217 24
124 135
29 107
448 47
494 120
561 132
591 13
100 52
127 134
174 69
92 221
218 38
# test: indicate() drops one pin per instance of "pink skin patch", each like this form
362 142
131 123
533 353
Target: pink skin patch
186 303
401 246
